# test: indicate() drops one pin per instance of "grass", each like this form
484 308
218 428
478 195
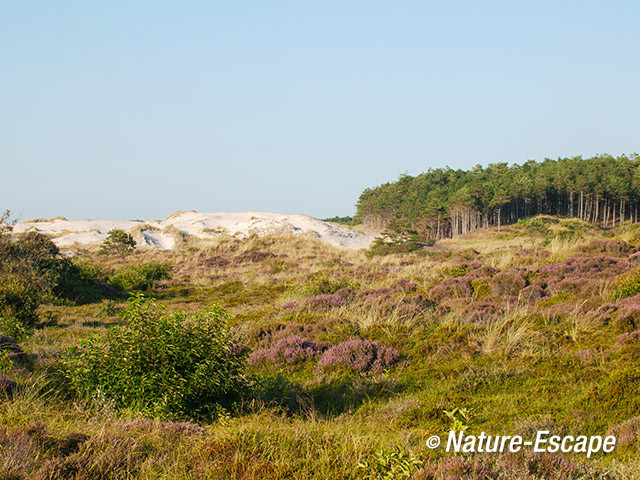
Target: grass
526 365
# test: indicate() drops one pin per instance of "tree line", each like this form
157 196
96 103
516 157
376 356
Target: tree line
444 203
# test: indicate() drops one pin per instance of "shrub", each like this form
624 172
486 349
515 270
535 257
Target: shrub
118 241
37 260
455 271
393 463
324 285
140 277
286 351
626 286
18 302
359 356
170 365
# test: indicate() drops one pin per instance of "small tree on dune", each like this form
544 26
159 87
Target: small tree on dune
118 241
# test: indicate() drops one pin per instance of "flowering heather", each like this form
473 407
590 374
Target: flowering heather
604 313
590 267
359 355
479 270
451 287
376 293
254 256
629 338
506 283
323 302
7 386
215 261
347 293
286 351
291 304
404 285
634 258
587 355
611 247
632 302
11 346
627 433
531 294
482 312
236 350
8 343
626 319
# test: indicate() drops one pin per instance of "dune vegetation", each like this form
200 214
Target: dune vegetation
283 357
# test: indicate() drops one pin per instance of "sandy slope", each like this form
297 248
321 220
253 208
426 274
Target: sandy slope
162 233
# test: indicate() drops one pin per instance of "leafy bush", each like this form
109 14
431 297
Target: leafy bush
18 303
139 277
169 365
360 356
455 271
389 464
118 241
37 260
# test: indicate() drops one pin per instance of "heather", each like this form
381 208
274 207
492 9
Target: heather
360 356
281 357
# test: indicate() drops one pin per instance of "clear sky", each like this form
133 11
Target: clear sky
135 109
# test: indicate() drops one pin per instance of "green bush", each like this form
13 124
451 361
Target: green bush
166 365
18 303
389 464
322 284
37 260
118 241
626 286
139 277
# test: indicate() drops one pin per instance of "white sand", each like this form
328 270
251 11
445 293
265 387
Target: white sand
156 234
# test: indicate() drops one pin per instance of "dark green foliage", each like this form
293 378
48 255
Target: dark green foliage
139 277
444 203
36 259
171 365
399 237
33 271
350 221
118 241
18 302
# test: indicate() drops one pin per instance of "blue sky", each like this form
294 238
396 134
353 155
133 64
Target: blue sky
135 109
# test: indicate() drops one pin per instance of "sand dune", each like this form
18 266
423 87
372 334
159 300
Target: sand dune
163 233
